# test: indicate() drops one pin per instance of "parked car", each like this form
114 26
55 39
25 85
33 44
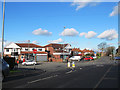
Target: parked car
4 68
75 58
88 58
117 58
29 62
94 57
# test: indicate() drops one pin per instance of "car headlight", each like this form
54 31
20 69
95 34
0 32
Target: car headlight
7 65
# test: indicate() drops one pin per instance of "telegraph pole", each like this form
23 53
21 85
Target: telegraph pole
63 47
2 53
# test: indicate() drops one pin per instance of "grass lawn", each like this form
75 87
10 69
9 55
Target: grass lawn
14 71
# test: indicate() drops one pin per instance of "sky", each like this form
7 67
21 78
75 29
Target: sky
81 24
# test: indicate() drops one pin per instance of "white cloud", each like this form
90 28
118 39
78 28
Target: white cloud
69 32
35 42
109 34
41 32
115 11
56 41
83 3
90 34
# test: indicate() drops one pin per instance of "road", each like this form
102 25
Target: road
101 73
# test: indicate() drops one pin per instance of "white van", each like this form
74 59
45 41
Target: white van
75 58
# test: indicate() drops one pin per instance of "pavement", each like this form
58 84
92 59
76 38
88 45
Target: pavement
101 73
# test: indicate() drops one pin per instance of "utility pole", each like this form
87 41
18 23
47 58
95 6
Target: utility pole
63 47
28 48
2 53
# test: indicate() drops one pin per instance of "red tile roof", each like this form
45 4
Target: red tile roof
76 49
56 46
85 50
24 52
28 45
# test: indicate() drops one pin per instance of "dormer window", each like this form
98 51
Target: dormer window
39 49
7 50
26 49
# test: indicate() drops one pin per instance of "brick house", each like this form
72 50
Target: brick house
58 52
78 52
25 50
86 51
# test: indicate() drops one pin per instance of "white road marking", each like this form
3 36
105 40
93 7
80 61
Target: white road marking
70 71
80 68
42 79
102 78
111 78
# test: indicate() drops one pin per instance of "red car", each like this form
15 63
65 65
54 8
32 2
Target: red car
88 58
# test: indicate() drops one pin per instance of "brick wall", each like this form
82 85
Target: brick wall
56 59
51 49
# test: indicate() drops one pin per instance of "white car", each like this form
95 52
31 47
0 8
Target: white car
94 57
29 62
75 58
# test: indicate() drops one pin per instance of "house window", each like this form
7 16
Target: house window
26 49
39 49
7 50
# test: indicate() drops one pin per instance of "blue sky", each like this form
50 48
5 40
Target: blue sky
43 22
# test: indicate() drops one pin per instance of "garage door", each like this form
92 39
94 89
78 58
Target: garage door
41 58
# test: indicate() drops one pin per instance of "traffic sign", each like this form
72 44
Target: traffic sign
34 51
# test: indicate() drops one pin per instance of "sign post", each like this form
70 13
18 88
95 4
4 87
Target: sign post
35 51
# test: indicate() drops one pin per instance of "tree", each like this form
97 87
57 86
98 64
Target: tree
102 46
109 50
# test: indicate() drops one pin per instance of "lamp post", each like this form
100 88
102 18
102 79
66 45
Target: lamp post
2 53
63 46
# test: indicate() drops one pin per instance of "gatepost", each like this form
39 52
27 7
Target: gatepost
73 65
68 64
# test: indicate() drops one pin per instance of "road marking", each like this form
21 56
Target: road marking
43 79
70 71
102 78
80 68
99 65
111 78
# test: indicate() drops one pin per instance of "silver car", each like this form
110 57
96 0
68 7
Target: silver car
4 69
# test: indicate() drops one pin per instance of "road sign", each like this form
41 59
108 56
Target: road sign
34 51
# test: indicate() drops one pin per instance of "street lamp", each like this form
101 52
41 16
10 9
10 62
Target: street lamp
2 53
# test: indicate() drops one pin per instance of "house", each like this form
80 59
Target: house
58 52
86 51
25 50
118 51
78 52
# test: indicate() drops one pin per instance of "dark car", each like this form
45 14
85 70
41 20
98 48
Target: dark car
117 58
4 67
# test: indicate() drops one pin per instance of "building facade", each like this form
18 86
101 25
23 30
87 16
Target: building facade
58 52
25 51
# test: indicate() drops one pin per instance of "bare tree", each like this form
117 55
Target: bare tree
102 46
109 50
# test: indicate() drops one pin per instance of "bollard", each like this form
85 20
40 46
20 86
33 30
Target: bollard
68 64
73 64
